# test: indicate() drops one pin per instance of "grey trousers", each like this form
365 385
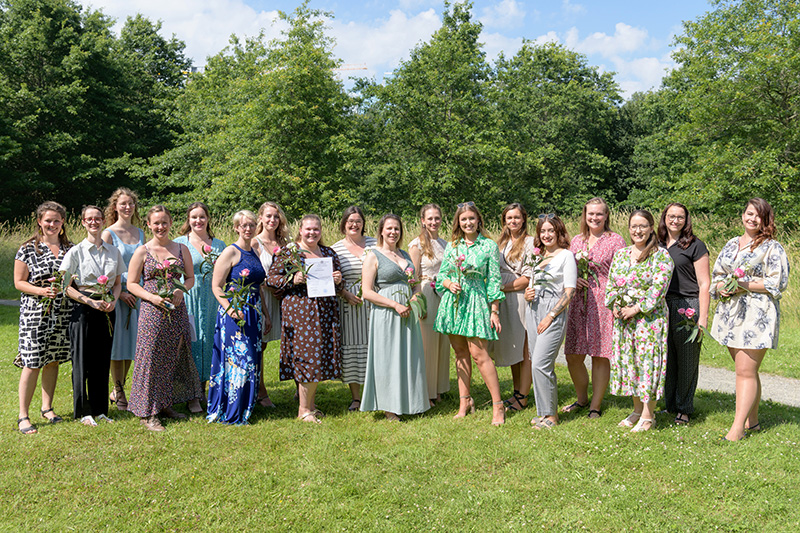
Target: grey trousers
543 350
683 360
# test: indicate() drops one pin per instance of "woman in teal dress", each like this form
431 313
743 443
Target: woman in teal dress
196 234
395 375
470 281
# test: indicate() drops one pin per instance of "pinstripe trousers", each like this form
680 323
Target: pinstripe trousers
683 360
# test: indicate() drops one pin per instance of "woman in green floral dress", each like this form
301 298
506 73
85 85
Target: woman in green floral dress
469 279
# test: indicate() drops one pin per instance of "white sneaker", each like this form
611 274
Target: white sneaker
104 418
88 421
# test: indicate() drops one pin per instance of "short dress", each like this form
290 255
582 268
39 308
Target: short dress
126 322
750 320
589 321
273 304
354 319
164 373
202 306
436 345
395 379
310 337
43 338
468 314
507 350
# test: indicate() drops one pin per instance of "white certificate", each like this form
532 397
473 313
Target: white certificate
319 281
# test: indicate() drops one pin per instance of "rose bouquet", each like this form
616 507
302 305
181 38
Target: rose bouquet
238 292
168 278
102 289
59 281
731 282
586 268
461 269
625 296
539 275
209 258
418 304
296 261
696 331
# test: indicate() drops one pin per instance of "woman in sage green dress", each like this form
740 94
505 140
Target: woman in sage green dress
198 237
470 280
395 376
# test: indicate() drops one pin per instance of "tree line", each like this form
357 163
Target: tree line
83 111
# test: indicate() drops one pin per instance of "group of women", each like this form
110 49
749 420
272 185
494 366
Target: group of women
195 312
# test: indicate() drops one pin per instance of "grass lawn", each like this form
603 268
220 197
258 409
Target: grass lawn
359 472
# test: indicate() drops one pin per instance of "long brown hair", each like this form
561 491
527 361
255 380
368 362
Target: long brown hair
424 235
382 223
584 226
63 241
518 248
562 237
111 215
282 231
186 227
687 235
352 210
766 230
456 233
311 216
652 242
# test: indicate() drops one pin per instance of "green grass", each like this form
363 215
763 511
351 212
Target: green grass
359 472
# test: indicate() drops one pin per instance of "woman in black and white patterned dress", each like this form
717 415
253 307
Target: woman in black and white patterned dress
43 339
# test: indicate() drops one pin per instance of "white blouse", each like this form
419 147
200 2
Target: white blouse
560 273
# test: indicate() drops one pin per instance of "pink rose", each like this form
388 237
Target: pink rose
738 273
433 284
169 275
206 249
166 263
620 281
276 250
690 312
461 257
244 273
681 311
102 280
51 280
537 251
409 270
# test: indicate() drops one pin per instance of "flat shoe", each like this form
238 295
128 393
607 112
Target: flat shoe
55 420
756 427
355 405
681 421
27 430
544 423
105 419
152 423
639 427
169 412
309 417
574 406
264 401
596 412
628 422
88 421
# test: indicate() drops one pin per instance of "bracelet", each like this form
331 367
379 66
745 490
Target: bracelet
496 312
552 315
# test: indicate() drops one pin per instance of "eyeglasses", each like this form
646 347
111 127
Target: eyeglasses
466 204
93 219
676 218
640 227
247 225
548 216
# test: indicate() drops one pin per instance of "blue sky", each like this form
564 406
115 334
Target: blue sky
632 39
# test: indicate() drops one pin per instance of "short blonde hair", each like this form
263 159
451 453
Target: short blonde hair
242 214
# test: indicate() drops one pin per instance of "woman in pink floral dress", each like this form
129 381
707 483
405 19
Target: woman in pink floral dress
588 319
635 293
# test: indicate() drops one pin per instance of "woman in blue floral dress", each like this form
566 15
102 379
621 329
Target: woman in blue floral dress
635 293
236 354
470 281
747 318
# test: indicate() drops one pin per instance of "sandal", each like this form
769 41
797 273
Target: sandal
27 429
545 423
470 410
597 412
88 420
503 412
755 427
309 417
682 419
639 427
517 398
574 406
630 420
353 407
510 400
54 420
264 401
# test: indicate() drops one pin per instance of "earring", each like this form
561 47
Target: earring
61 232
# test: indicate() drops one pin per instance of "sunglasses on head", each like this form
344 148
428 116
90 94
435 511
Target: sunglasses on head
466 204
548 216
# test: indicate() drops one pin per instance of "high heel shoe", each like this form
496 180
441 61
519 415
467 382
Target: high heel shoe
470 410
118 396
502 412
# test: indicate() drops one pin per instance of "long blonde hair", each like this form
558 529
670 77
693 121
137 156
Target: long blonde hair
110 213
424 235
518 248
456 232
282 231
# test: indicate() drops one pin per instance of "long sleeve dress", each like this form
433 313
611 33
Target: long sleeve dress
467 314
589 321
395 376
311 341
507 350
436 345
750 320
202 306
639 354
236 353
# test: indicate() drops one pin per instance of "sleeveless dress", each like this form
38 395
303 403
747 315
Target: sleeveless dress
436 345
164 373
395 380
126 322
236 355
202 306
273 304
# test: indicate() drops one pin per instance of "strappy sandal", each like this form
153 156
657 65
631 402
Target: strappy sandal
470 411
510 400
55 420
28 429
309 417
264 401
630 420
756 427
639 427
503 412
574 406
354 406
681 421
518 397
544 423
597 412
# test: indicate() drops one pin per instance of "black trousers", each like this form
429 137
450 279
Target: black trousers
683 360
90 343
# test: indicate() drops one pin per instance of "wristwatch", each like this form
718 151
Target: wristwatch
552 315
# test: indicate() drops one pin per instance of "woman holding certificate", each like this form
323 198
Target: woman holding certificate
306 275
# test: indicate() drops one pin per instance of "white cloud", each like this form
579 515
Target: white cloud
504 14
572 9
625 39
417 4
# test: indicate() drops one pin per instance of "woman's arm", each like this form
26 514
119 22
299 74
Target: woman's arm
219 278
701 269
22 284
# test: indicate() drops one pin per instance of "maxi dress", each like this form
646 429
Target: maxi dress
639 356
310 338
202 306
273 304
395 378
468 314
508 349
236 360
436 345
126 321
589 321
750 320
164 373
354 318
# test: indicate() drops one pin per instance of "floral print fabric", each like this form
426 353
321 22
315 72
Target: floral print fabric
639 353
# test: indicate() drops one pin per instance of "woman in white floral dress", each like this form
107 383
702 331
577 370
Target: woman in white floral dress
635 293
747 318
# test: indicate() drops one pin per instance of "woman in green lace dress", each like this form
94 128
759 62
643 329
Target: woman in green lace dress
469 279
